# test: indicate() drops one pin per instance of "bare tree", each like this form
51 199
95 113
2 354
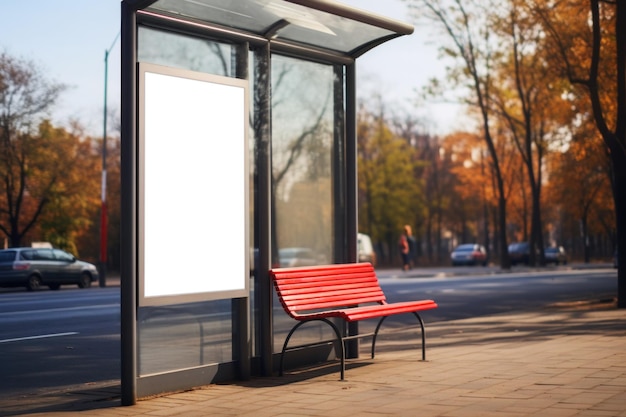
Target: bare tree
464 23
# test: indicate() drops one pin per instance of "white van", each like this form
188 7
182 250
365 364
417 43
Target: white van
365 249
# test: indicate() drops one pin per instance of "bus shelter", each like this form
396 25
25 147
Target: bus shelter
238 155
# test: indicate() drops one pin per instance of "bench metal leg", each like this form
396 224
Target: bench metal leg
423 336
341 340
342 348
421 322
380 322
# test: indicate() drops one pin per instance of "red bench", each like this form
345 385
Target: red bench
350 292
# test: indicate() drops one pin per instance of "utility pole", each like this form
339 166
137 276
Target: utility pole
103 207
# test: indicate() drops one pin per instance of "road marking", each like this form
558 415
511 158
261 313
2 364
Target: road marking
13 314
43 336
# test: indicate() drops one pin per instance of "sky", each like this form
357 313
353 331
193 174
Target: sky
67 40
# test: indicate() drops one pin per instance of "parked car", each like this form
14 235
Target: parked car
519 253
615 259
469 254
290 257
365 249
35 267
555 255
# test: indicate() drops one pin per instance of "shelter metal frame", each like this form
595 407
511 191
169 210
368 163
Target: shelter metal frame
135 13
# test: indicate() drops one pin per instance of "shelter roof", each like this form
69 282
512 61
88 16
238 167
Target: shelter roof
321 24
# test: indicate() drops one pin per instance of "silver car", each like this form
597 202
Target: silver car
35 267
469 254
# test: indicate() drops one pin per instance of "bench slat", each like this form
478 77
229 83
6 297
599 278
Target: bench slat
324 287
294 279
355 288
371 311
298 282
342 293
347 295
316 305
331 292
319 269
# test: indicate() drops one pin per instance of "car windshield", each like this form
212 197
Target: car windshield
465 248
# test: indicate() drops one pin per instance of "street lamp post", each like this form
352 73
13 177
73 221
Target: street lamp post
103 207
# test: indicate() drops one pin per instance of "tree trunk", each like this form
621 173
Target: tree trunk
618 155
619 171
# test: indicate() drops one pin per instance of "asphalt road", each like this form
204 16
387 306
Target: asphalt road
50 339
485 291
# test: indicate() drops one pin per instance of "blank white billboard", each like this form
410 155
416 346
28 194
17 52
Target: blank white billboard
193 186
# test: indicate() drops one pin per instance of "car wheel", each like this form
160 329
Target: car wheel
85 280
54 286
33 283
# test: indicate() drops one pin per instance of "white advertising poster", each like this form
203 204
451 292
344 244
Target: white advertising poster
193 187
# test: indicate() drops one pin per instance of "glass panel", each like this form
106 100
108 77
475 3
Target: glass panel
236 14
184 336
286 21
178 51
302 138
192 334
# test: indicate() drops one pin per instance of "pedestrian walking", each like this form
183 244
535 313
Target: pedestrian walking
404 245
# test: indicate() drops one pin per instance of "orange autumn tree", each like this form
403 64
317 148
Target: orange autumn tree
589 41
471 199
527 96
583 168
73 199
466 33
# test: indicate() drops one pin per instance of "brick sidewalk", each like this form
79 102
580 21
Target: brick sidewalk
567 360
